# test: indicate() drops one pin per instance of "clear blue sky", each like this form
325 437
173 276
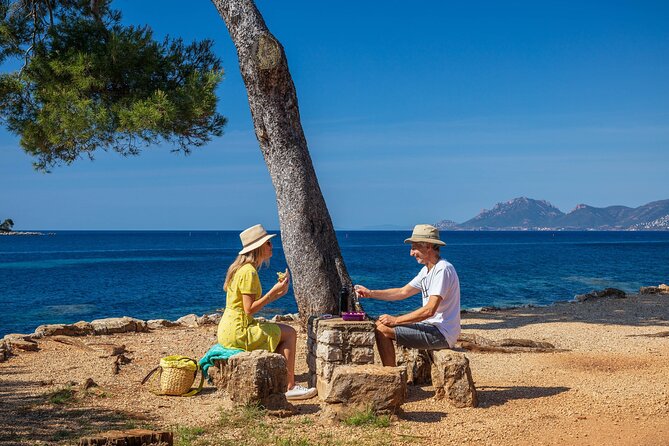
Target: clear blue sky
413 113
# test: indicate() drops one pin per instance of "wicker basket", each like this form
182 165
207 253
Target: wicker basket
176 380
177 374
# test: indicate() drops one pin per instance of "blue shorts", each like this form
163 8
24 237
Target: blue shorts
421 336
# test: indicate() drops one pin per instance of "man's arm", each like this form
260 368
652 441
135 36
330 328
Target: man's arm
389 294
425 312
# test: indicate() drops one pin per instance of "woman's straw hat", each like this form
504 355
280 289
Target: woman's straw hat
253 238
425 234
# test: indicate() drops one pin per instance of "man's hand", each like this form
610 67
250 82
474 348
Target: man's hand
361 291
388 320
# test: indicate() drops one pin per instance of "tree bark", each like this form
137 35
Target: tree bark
307 234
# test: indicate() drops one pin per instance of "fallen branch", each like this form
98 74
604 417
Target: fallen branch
661 334
71 341
478 343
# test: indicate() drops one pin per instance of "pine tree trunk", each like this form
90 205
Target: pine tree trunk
307 233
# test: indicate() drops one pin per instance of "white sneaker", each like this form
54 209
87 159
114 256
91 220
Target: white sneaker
301 393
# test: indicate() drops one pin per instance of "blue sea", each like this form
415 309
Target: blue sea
84 275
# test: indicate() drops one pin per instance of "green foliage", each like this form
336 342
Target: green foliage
185 436
367 418
62 396
91 83
7 225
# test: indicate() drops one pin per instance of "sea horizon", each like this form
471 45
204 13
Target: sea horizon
164 274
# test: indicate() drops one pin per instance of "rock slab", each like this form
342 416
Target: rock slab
452 379
381 389
596 294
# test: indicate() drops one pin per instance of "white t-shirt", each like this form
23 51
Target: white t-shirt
442 280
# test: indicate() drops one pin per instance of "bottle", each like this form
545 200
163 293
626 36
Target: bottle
343 300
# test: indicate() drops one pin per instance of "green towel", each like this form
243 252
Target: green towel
214 353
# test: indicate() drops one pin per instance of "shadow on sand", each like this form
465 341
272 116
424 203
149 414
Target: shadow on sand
496 396
32 419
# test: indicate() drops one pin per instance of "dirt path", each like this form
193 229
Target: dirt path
610 387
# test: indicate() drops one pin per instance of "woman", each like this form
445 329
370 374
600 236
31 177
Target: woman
238 328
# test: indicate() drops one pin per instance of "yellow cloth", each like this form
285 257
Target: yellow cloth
236 328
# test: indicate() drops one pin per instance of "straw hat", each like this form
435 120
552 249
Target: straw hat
253 238
425 234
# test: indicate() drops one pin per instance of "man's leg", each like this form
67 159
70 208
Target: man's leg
384 342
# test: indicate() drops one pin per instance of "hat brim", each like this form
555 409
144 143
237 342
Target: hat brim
257 244
425 240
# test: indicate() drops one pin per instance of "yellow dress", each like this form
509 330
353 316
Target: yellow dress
236 328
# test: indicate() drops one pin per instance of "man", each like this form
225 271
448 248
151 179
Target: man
436 324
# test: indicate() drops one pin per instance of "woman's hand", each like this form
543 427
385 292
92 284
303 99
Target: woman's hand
361 291
280 288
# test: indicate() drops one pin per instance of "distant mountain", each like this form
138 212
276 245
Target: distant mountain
519 213
528 214
584 216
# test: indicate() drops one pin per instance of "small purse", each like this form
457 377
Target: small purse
177 374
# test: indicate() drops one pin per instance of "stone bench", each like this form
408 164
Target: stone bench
447 370
253 378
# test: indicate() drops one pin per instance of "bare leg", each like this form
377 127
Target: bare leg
287 347
384 342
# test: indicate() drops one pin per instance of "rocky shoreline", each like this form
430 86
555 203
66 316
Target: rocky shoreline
127 324
18 233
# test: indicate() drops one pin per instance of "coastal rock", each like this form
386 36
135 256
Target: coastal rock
452 379
209 319
20 344
661 289
607 292
189 320
154 324
255 377
80 328
118 325
381 389
418 364
286 317
5 350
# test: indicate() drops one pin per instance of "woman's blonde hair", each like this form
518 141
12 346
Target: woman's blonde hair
252 257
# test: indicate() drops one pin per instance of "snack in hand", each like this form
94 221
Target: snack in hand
280 276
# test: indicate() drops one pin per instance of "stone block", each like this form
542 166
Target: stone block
452 378
359 339
362 355
329 353
256 377
381 389
331 337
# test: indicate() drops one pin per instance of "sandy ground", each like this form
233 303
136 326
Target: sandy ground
610 388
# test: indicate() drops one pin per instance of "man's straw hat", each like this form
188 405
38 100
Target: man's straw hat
425 234
253 238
